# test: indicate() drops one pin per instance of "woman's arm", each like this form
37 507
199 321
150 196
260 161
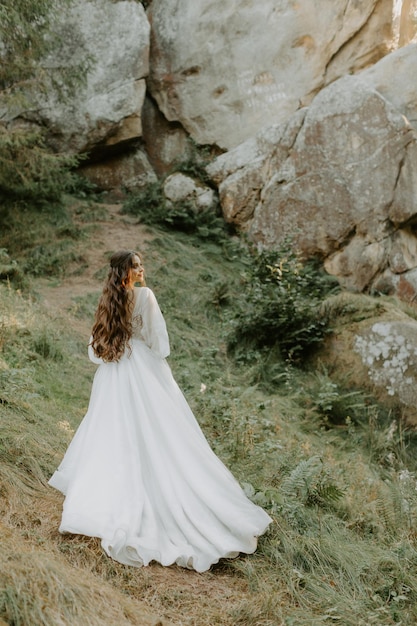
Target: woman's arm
154 329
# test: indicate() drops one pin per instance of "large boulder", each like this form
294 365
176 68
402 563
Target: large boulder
227 69
373 347
339 178
105 114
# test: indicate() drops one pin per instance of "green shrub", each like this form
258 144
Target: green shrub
280 306
39 240
32 51
152 208
35 65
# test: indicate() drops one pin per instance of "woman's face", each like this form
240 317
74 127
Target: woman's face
136 272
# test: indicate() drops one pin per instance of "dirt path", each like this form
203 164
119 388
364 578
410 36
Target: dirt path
114 232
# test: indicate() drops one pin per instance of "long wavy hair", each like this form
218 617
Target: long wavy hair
112 329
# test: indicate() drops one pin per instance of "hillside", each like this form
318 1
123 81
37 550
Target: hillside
342 491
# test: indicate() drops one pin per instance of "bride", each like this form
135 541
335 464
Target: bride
139 473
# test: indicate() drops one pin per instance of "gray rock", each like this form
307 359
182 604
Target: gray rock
225 70
242 173
107 111
388 350
338 178
373 348
395 77
179 187
166 143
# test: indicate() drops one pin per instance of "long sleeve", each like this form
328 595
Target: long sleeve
154 330
91 355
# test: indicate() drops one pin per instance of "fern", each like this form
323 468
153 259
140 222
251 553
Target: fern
394 508
325 493
311 484
298 483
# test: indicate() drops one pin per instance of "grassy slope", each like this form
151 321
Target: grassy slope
350 560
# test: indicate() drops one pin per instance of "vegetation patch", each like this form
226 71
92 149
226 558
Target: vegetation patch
279 319
336 470
151 207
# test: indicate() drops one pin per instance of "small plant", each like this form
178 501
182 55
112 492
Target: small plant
46 345
80 187
220 295
311 484
10 270
334 403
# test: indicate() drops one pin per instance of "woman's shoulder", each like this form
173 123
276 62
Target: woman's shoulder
142 294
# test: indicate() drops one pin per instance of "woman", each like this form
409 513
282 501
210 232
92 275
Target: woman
139 472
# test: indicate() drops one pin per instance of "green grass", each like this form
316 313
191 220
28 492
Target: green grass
336 470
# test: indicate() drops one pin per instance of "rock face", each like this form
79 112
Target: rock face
225 70
395 77
339 178
106 114
166 143
407 24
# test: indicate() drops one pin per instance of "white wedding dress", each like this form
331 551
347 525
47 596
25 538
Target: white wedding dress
139 472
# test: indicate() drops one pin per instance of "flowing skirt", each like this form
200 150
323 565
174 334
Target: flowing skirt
140 475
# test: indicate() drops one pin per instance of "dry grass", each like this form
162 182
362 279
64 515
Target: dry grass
39 588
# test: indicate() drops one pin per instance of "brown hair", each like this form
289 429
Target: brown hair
112 328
